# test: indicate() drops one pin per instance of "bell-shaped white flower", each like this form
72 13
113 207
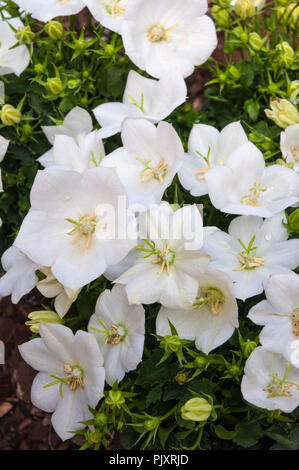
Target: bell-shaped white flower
110 13
86 151
119 329
71 375
246 186
46 10
77 124
78 224
211 319
170 259
20 277
289 144
280 315
143 98
3 149
148 161
114 271
168 34
251 251
12 59
64 297
270 382
207 147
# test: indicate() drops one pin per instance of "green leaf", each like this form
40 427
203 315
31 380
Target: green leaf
224 433
248 435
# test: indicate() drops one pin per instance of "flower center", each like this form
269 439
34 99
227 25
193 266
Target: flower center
117 333
63 2
246 258
158 33
164 257
280 387
211 296
113 8
200 174
295 321
74 376
113 335
295 152
251 199
158 172
84 228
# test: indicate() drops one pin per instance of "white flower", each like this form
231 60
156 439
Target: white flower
148 161
251 251
70 378
246 186
50 287
207 147
257 3
289 144
110 13
161 35
77 124
212 318
73 227
12 59
280 315
3 148
270 382
86 151
46 10
119 329
114 271
143 98
170 260
20 277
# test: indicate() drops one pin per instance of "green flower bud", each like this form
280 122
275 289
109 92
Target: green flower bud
54 86
24 35
234 370
221 16
196 409
115 399
293 221
10 115
255 41
109 50
286 55
72 84
100 419
201 362
171 344
292 15
54 29
283 113
181 378
244 37
247 347
39 69
151 424
42 316
233 72
293 90
245 8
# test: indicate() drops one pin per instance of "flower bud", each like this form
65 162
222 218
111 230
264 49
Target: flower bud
100 419
286 55
233 72
39 69
255 41
293 221
115 399
54 85
151 424
292 15
247 347
196 409
245 8
293 90
41 316
171 344
10 115
181 378
201 362
221 16
24 35
283 113
54 30
72 84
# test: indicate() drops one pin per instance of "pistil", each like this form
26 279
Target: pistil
211 296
